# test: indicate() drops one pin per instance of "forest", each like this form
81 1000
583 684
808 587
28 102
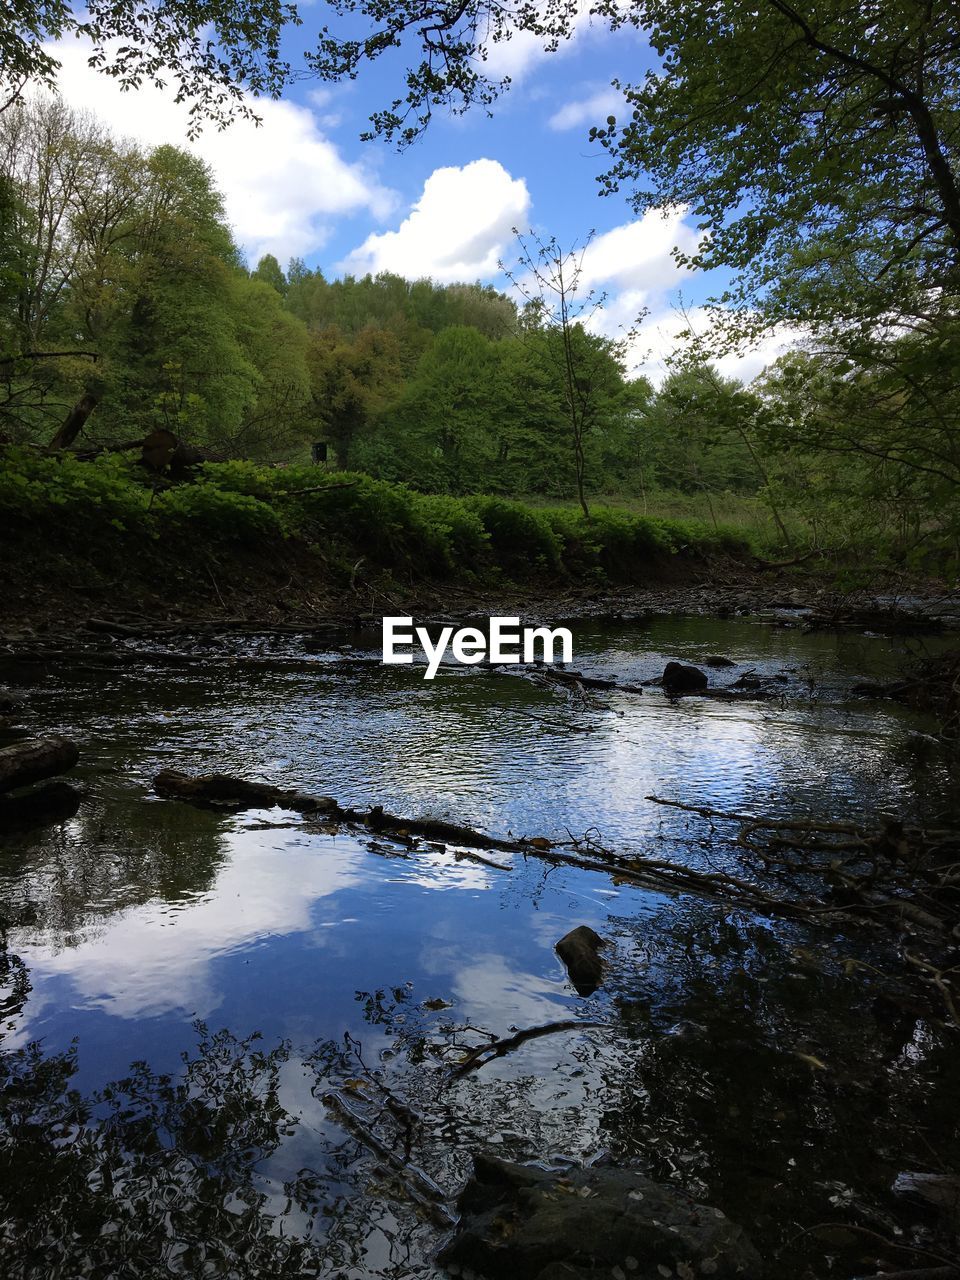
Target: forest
126 308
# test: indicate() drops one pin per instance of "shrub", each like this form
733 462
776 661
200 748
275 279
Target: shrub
46 487
202 509
466 544
521 539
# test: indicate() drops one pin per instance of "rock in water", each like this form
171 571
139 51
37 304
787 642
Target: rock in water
35 759
44 806
521 1223
678 678
579 950
9 705
718 660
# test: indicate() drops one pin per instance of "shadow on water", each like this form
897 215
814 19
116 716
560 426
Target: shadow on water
771 1068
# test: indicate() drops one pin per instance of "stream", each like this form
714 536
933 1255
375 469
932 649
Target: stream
183 990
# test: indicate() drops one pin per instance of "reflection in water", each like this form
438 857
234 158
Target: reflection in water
747 1061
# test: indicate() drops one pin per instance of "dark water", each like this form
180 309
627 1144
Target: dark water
761 1064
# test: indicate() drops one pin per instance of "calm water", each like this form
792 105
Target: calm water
147 942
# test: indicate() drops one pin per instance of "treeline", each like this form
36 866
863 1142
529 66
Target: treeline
126 307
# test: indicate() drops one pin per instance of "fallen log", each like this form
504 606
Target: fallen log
575 678
431 828
35 759
222 791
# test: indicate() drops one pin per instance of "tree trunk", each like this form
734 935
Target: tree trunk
74 422
34 760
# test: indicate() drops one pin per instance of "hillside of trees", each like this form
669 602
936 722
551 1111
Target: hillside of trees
126 307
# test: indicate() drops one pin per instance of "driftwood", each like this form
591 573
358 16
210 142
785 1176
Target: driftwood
222 791
35 759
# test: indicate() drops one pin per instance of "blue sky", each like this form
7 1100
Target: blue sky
304 185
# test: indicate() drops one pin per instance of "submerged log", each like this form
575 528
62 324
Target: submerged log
225 792
35 759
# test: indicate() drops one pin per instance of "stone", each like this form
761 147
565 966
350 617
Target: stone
579 951
678 678
525 1223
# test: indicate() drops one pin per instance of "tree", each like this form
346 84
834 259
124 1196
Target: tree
815 141
270 272
551 279
352 379
438 432
213 50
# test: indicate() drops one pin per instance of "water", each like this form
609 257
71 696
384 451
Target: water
148 932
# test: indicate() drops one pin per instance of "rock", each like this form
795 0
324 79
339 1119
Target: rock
939 1190
523 1223
716 660
678 678
45 806
578 950
748 681
35 759
9 705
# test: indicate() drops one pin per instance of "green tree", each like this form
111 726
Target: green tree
588 367
270 272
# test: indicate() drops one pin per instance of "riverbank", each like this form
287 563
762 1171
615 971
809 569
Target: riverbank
237 544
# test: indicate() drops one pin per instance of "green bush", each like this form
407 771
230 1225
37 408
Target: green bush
203 509
466 543
611 545
38 487
521 539
348 515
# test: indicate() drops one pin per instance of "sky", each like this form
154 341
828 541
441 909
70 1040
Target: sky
302 183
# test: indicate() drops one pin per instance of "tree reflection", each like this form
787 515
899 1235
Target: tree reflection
57 881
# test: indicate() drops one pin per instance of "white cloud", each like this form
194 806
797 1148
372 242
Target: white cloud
638 255
591 110
517 57
161 957
283 181
457 230
662 334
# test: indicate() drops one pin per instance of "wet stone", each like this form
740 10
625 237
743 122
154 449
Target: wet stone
525 1223
679 678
